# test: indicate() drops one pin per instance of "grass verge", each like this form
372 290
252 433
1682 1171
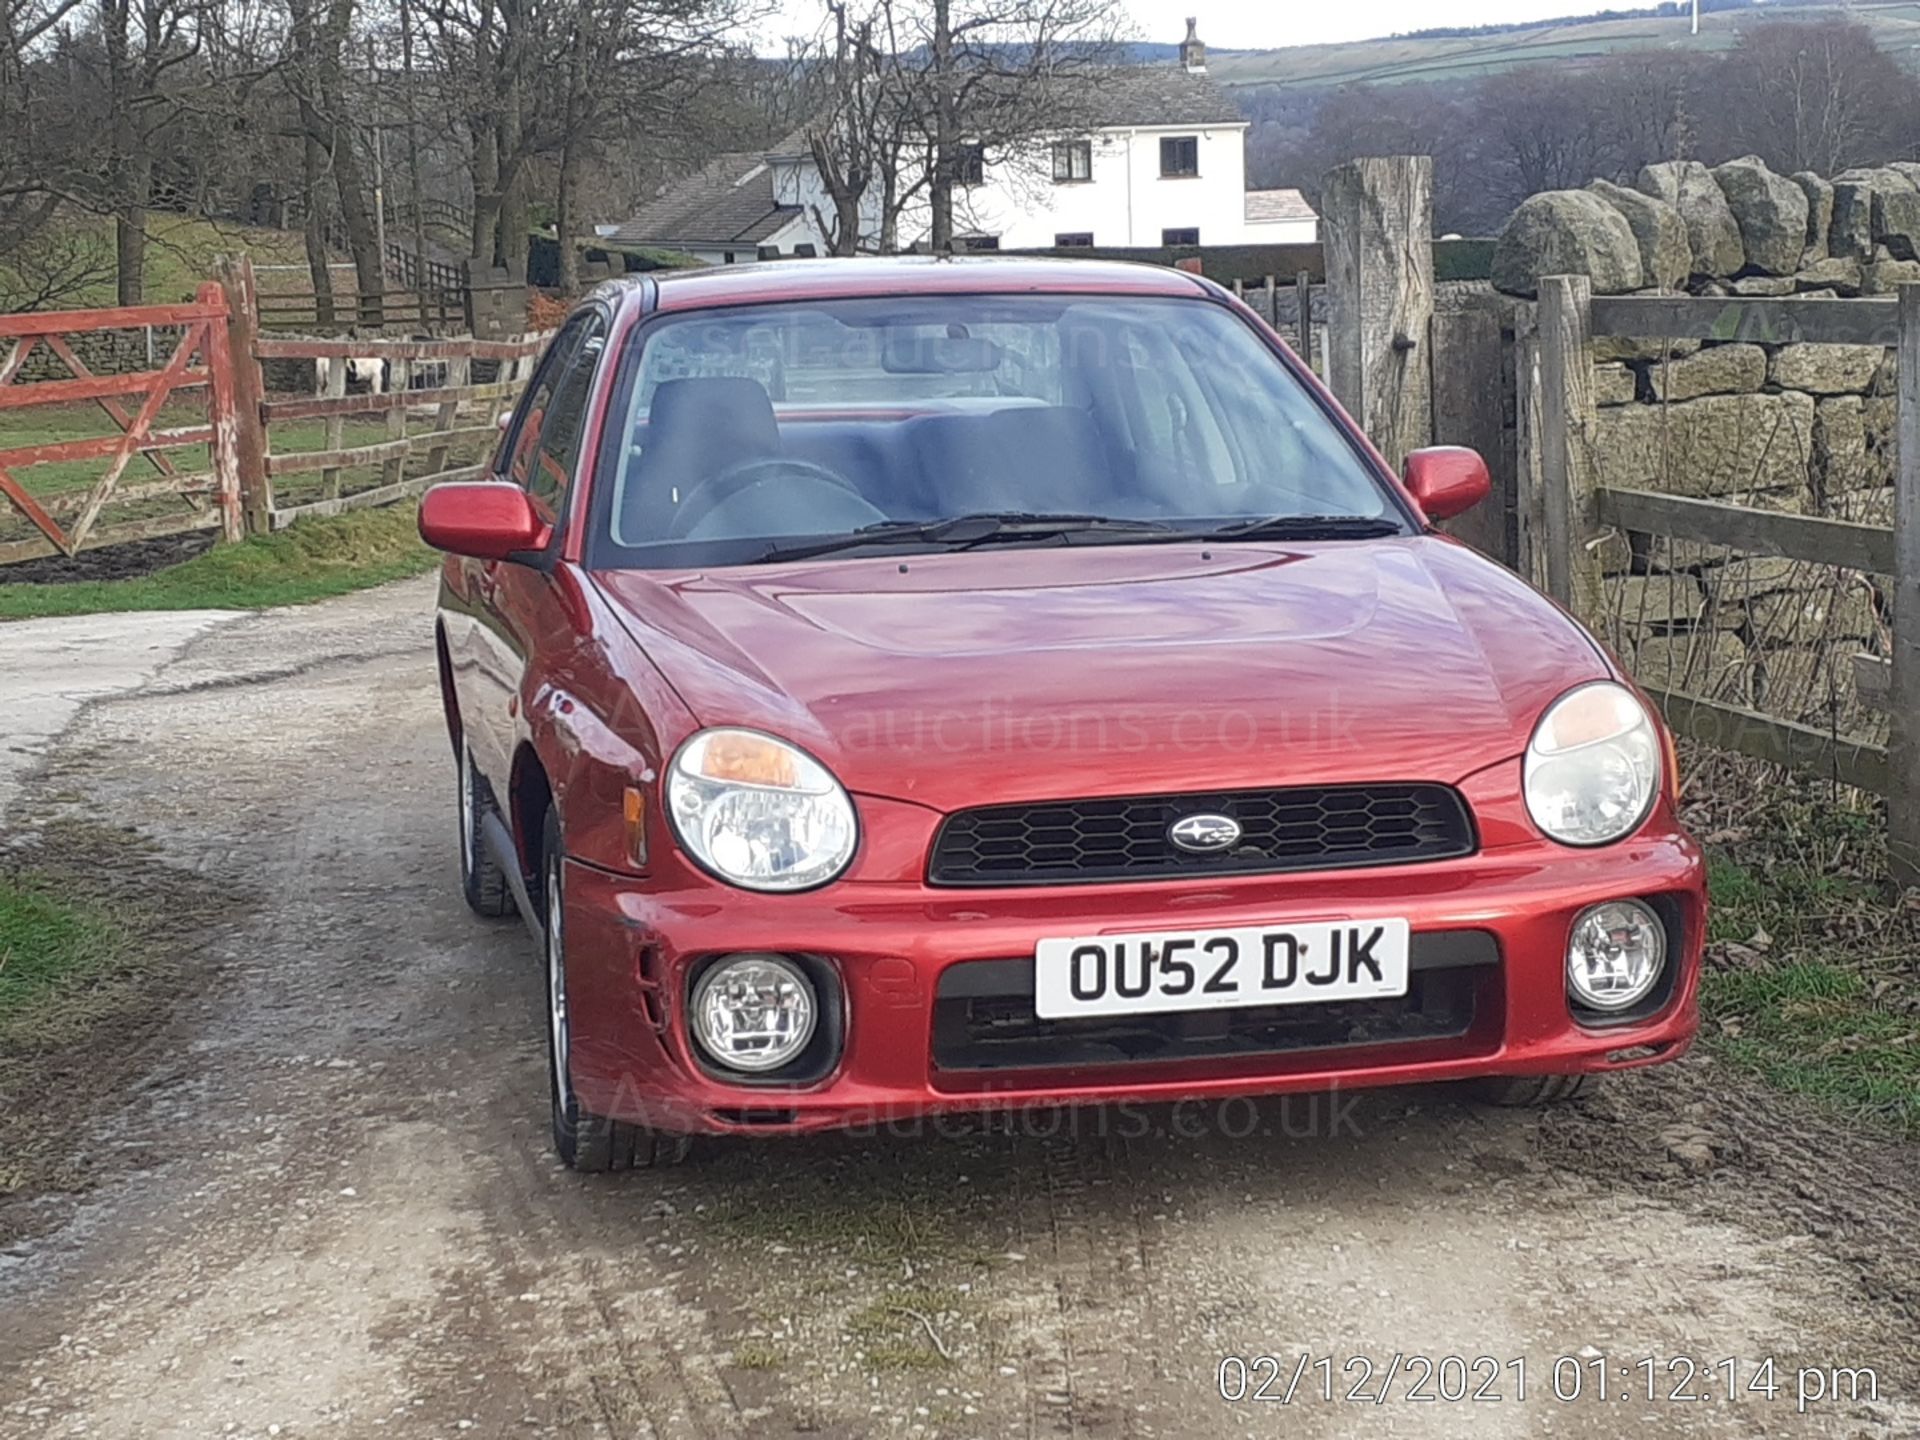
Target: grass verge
97 936
48 946
1813 977
311 560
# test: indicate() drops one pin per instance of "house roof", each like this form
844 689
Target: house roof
1270 207
1158 95
728 201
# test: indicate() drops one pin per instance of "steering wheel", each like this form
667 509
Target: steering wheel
795 477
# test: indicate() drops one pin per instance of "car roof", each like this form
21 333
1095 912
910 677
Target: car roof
837 278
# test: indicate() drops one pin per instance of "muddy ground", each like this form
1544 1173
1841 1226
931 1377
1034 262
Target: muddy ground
322 1200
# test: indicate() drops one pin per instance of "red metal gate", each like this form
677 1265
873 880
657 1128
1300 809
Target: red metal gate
200 361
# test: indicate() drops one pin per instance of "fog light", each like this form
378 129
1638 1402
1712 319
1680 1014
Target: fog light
754 1012
1616 955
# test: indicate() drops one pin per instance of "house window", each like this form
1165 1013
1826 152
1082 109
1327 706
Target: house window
970 165
1072 162
1180 237
1180 156
979 242
1075 240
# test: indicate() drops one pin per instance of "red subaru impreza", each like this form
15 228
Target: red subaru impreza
896 687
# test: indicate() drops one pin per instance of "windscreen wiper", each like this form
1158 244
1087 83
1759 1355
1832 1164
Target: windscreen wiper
1307 527
963 532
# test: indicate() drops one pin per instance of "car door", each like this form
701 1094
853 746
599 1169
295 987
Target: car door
490 673
519 613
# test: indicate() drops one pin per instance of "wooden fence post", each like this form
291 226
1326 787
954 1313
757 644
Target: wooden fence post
223 418
1377 217
1469 379
1566 430
1903 793
333 387
1303 290
248 445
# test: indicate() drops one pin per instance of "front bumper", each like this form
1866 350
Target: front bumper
1490 995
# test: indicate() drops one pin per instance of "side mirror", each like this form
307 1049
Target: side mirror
503 420
1447 480
487 520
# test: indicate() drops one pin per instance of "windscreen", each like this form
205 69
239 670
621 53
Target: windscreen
742 431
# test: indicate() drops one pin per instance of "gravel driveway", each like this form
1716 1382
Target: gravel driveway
329 1207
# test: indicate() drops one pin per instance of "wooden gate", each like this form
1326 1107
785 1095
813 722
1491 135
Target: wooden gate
67 511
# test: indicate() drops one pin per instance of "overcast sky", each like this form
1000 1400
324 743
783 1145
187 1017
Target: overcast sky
1264 24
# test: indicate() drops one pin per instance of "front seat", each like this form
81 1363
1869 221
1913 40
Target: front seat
695 429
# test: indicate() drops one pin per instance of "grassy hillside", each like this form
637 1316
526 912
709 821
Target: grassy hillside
1896 28
180 254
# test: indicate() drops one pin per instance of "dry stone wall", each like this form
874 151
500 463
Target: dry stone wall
1795 428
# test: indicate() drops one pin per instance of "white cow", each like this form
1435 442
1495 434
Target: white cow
370 371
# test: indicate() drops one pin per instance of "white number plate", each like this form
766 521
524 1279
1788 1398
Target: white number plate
1221 969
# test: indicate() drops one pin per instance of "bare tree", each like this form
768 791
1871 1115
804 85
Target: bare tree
1815 95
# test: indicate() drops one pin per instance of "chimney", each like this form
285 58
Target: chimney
1193 50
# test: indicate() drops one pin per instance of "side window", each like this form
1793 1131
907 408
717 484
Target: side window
524 436
558 447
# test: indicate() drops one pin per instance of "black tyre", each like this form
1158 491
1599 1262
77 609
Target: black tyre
1529 1091
482 880
584 1141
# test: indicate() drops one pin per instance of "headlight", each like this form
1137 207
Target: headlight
1593 766
759 813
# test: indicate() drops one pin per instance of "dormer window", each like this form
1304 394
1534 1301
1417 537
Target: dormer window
1072 162
1179 157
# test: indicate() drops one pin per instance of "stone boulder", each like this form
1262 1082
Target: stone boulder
1867 507
1832 609
1710 663
1885 277
1739 581
1566 232
1896 222
1640 347
1615 384
1819 192
1850 237
1827 369
1719 445
1835 273
1881 415
1666 255
1839 445
1712 231
1722 370
1648 604
1771 212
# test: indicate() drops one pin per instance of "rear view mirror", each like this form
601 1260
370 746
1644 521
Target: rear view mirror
487 520
1447 480
914 351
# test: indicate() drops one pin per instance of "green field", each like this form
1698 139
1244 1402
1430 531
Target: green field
180 256
1896 28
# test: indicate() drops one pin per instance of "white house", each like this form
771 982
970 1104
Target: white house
1164 164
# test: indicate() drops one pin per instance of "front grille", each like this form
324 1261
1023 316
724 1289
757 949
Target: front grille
984 1018
1301 828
